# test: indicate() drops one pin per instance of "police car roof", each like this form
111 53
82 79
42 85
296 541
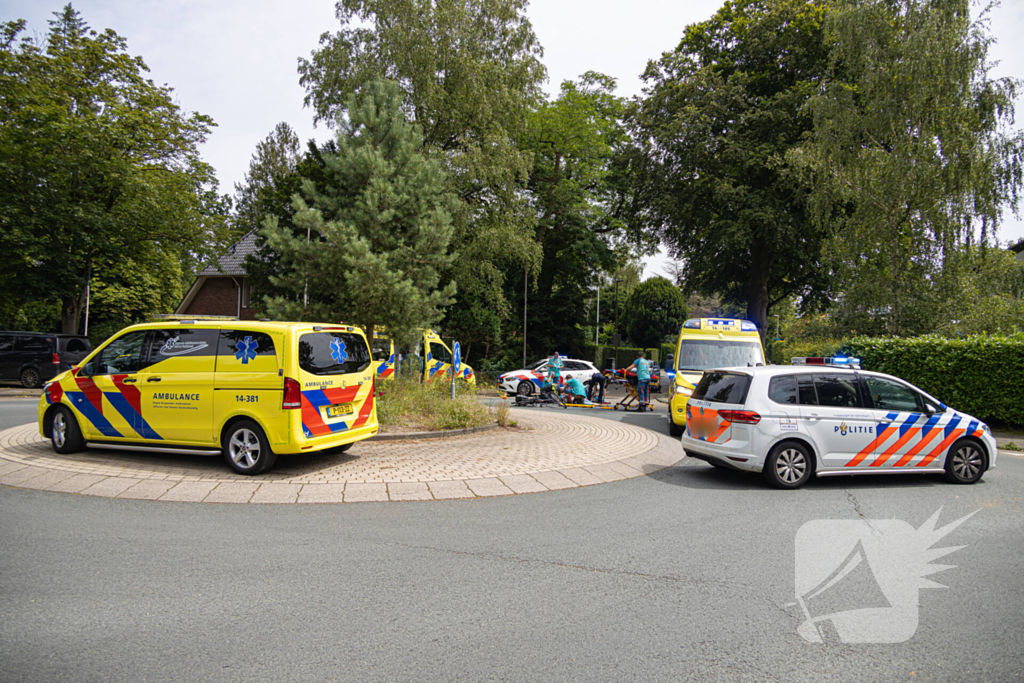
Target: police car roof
772 370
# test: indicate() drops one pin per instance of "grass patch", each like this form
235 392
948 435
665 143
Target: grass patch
1010 446
405 404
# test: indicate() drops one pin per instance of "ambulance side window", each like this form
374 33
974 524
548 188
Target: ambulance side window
381 348
120 356
184 343
244 346
440 352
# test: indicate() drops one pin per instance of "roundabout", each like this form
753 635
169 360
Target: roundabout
547 451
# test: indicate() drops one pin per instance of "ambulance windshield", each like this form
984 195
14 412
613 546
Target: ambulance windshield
698 355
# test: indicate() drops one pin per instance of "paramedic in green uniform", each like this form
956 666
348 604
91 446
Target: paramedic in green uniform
577 394
643 379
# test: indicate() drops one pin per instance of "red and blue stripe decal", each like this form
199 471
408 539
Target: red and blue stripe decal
127 401
313 400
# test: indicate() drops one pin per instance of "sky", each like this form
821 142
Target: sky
235 60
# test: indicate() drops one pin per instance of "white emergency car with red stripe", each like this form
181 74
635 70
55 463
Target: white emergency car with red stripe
526 382
826 417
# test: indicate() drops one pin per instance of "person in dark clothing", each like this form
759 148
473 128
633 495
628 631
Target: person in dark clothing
595 392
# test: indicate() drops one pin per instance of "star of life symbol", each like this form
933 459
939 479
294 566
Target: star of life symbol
861 577
245 350
338 350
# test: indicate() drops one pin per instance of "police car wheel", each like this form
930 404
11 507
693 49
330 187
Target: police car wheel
966 462
788 465
525 388
246 449
65 434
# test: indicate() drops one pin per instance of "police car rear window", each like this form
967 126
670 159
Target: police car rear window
333 353
722 387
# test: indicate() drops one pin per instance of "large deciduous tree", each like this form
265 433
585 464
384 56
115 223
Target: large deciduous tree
655 309
720 113
98 165
469 73
381 218
912 157
573 139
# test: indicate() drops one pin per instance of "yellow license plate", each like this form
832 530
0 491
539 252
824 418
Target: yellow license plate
340 410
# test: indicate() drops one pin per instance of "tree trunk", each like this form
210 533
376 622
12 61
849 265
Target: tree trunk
72 306
369 337
757 287
69 314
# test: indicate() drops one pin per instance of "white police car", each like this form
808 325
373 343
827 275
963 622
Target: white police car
527 381
827 417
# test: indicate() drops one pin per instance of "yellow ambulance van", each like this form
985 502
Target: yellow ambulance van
248 390
705 344
429 358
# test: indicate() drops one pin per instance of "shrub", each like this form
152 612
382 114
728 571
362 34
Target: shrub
405 402
980 375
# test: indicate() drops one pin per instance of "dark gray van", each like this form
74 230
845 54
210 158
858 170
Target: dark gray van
35 357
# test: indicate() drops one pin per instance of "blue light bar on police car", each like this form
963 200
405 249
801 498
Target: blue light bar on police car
833 361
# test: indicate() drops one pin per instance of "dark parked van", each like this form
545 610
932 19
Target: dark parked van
34 357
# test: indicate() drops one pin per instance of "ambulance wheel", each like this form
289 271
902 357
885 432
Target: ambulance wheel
524 388
674 429
966 462
65 434
788 465
246 449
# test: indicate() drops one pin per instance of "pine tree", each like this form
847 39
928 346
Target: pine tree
381 225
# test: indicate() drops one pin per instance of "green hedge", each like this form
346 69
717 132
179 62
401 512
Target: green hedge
980 375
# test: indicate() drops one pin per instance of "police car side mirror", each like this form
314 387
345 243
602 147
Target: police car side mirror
932 410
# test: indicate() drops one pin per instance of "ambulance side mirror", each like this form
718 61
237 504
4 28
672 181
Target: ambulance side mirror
88 370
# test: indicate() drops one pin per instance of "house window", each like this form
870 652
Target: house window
245 292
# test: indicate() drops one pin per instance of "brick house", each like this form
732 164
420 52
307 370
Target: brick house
1018 249
222 288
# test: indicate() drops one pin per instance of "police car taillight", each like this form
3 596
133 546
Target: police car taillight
742 416
833 361
292 394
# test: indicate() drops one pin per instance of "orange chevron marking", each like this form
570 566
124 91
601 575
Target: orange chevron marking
925 440
869 449
957 433
721 430
891 450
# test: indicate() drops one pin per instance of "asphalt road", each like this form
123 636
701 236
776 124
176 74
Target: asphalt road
688 574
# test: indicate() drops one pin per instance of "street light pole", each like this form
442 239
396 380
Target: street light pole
617 335
597 321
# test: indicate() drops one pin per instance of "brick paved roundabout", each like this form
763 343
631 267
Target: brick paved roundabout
550 451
